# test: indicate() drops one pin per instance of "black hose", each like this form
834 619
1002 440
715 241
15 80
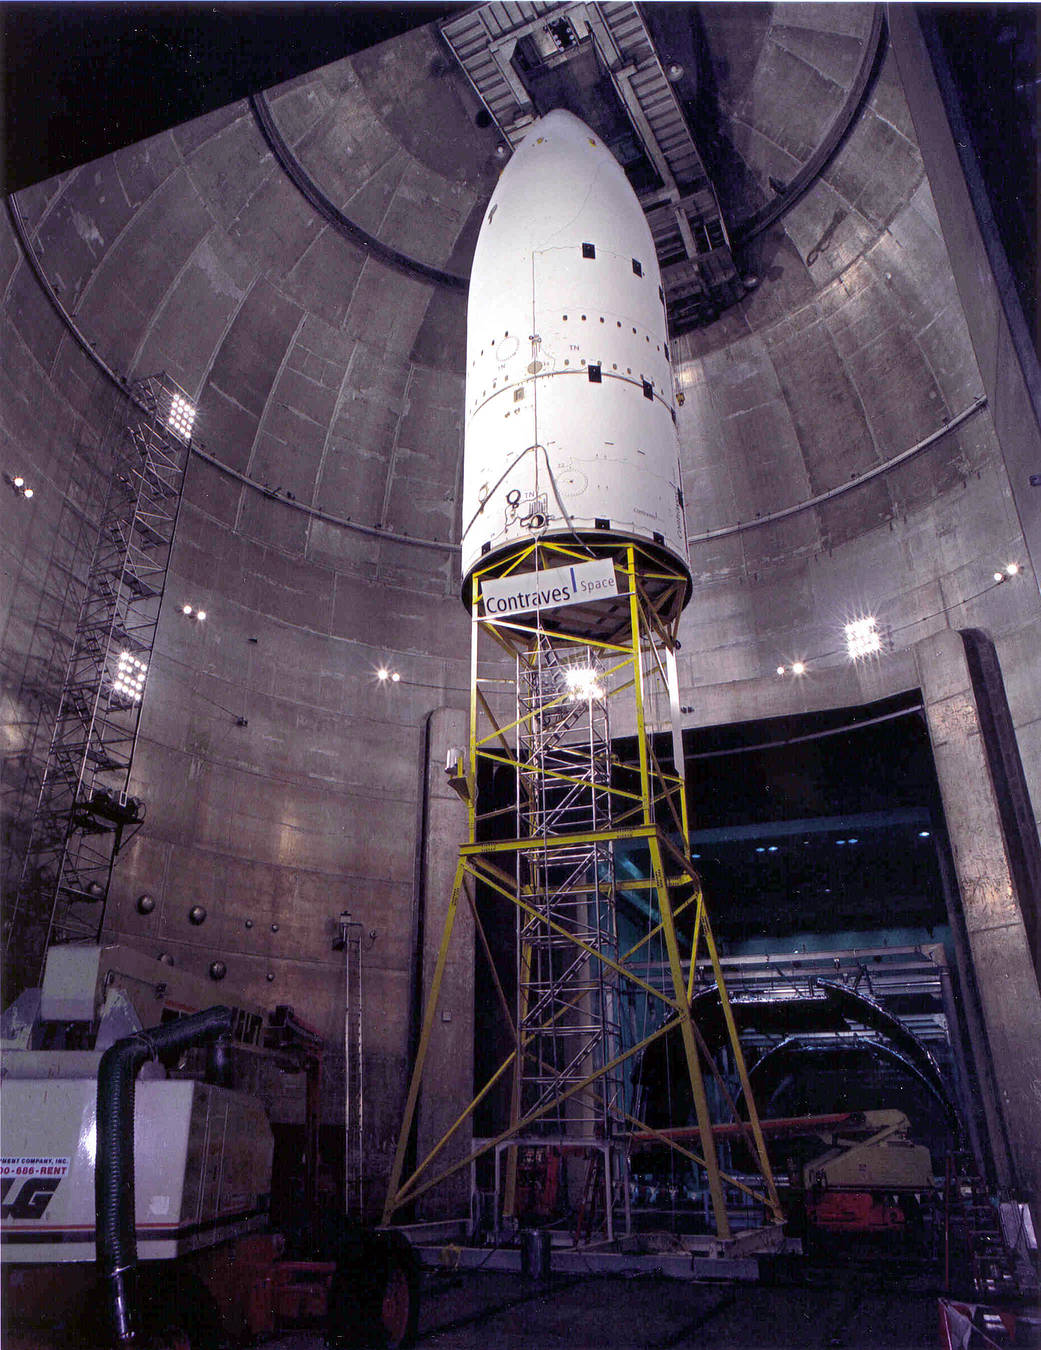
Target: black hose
114 1170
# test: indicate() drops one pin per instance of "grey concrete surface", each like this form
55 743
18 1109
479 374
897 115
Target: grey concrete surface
992 908
649 1313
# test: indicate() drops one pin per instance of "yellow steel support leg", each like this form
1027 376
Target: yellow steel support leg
742 1073
690 1049
679 991
424 1045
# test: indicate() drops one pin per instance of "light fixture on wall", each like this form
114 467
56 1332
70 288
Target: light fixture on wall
1009 570
196 615
181 417
385 675
863 638
18 485
796 668
129 680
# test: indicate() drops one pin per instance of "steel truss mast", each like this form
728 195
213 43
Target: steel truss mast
582 674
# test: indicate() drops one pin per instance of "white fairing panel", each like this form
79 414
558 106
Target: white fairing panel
565 278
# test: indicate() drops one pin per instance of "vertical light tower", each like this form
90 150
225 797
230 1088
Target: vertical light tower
575 571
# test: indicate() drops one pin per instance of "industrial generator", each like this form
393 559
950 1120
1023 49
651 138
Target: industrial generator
137 1154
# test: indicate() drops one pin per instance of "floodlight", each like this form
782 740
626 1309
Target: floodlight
17 484
1012 569
186 609
999 576
862 638
582 683
129 679
383 673
395 677
181 417
798 668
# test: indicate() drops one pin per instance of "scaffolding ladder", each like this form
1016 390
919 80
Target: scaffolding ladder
84 812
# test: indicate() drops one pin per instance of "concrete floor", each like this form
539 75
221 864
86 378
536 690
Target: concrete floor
861 1311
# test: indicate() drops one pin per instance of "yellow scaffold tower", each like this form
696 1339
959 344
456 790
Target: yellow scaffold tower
572 683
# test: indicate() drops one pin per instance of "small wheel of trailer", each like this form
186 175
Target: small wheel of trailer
374 1296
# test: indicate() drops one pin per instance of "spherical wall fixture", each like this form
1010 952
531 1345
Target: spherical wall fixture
145 904
270 976
274 928
218 970
197 915
249 923
166 959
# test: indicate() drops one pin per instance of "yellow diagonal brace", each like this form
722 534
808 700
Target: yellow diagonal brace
559 928
486 948
424 1043
694 1157
498 732
690 1049
522 1124
648 937
742 1073
403 1193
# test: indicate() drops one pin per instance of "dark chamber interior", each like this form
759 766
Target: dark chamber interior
821 844
823 823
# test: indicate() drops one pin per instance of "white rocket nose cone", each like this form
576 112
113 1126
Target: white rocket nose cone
561 176
569 407
560 122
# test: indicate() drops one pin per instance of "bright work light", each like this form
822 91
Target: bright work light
129 680
582 683
862 639
181 417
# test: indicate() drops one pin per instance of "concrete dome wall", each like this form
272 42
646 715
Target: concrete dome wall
336 381
853 349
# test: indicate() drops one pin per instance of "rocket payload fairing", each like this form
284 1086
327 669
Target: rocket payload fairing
570 420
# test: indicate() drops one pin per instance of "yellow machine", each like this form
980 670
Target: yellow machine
872 1176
